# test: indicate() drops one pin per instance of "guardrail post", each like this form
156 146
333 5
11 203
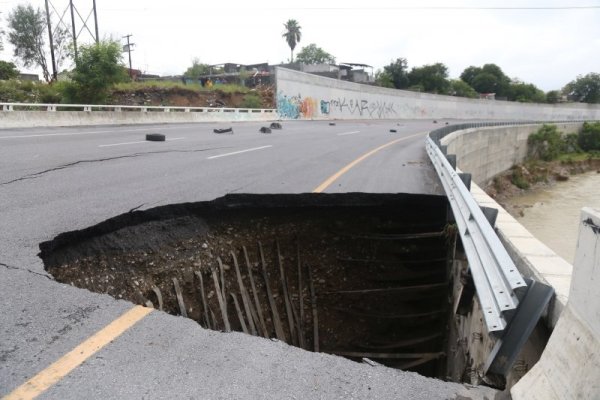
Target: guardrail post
466 178
452 160
490 214
87 108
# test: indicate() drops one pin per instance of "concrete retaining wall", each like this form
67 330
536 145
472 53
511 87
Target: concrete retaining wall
570 365
486 152
26 119
305 96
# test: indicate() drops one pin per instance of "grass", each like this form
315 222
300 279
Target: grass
578 157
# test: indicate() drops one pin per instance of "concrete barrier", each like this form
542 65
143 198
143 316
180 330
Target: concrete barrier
305 96
129 115
570 365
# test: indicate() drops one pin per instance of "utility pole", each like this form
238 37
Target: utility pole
73 31
96 23
51 39
127 48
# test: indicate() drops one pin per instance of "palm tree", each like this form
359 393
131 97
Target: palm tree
292 35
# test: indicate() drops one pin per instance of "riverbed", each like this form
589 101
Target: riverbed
552 213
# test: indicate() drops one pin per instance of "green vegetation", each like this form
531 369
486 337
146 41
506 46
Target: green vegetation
589 138
27 33
99 66
584 89
547 143
13 91
312 54
196 70
8 70
461 89
431 78
397 73
251 101
292 35
487 79
518 179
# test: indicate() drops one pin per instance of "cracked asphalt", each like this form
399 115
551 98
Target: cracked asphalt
60 179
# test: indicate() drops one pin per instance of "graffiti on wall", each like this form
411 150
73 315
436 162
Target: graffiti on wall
297 107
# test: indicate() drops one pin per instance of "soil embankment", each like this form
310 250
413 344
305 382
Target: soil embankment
178 96
533 175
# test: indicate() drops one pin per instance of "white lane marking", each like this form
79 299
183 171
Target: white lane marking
347 133
86 133
238 152
139 141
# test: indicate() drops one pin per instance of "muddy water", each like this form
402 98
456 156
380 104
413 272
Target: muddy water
552 214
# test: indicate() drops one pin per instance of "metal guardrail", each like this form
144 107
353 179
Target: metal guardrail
494 273
7 107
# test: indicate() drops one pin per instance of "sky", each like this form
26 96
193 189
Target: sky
546 47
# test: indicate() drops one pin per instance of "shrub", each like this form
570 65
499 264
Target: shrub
15 91
589 137
546 143
518 179
251 101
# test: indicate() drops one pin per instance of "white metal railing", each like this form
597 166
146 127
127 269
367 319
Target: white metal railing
7 107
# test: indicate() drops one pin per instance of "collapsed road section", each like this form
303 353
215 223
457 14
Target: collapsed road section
365 276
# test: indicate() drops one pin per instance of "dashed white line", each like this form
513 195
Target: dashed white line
348 133
139 141
238 152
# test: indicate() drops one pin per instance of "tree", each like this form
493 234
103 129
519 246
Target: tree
384 79
312 54
196 70
398 71
461 88
432 78
292 35
8 70
525 93
99 66
469 74
553 97
584 89
487 79
27 33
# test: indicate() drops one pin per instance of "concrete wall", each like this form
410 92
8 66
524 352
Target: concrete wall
305 96
26 119
486 152
570 365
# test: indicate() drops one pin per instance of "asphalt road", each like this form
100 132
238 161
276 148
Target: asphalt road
60 179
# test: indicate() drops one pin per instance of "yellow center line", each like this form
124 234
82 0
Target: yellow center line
59 369
342 171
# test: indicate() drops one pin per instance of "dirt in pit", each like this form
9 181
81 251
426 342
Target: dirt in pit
376 289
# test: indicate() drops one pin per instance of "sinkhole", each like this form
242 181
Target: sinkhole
356 275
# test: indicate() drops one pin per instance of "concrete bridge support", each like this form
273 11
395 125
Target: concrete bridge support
570 366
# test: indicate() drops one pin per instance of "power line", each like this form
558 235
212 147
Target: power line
458 8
